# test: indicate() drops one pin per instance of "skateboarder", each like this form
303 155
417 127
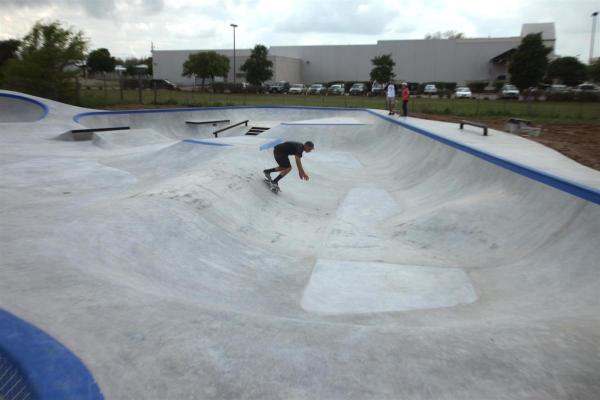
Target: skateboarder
281 152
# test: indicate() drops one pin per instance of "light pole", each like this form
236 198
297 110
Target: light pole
233 26
141 68
120 69
594 15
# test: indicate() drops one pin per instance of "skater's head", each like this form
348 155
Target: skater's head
309 146
404 84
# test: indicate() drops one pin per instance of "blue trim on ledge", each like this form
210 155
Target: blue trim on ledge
45 109
576 189
562 184
321 124
78 117
206 142
270 144
49 369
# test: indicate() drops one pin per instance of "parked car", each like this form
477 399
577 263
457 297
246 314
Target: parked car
509 91
358 89
430 89
297 88
162 84
279 87
559 89
587 88
336 89
377 89
463 92
316 88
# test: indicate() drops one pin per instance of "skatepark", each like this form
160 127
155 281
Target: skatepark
420 261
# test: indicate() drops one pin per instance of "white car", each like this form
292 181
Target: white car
463 92
509 91
297 88
430 89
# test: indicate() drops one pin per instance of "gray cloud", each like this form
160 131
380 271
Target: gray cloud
353 17
96 8
151 7
101 9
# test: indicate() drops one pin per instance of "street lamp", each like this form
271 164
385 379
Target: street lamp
594 15
233 26
120 69
141 68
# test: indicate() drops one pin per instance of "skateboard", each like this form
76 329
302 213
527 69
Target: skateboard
274 188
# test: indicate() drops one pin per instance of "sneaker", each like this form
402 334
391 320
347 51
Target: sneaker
267 175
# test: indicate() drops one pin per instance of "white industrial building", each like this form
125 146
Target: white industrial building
425 60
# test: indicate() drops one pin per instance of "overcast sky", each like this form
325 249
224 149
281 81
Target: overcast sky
127 27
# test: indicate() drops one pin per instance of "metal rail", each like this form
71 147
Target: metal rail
207 122
216 133
477 124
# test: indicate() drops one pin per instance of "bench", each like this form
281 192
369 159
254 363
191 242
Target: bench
213 123
520 126
476 124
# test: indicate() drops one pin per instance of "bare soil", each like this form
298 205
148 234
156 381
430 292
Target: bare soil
578 141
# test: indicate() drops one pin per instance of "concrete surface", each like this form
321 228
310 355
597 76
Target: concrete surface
406 268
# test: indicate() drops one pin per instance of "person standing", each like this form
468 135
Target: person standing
390 98
405 97
281 152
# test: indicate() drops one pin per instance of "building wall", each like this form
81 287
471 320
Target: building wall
449 60
168 64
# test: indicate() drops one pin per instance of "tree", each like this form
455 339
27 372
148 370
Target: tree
529 63
567 70
445 35
8 49
47 62
257 67
130 64
594 71
100 60
383 68
207 64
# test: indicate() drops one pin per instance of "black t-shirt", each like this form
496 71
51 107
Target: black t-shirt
290 148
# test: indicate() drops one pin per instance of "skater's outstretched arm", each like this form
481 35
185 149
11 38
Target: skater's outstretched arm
300 169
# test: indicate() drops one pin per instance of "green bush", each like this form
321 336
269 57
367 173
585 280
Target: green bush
587 96
477 86
560 96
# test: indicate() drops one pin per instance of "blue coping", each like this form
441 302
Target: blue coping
320 124
573 188
270 144
49 370
38 103
206 142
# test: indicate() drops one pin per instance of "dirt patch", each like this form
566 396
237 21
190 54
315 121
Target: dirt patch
578 141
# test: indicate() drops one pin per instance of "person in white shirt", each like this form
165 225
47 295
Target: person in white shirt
390 98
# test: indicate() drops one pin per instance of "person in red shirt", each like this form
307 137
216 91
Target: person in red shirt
405 96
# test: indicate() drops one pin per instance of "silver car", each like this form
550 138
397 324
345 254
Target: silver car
509 91
316 88
463 92
297 88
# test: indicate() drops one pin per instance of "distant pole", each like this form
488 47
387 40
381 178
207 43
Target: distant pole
594 15
233 26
